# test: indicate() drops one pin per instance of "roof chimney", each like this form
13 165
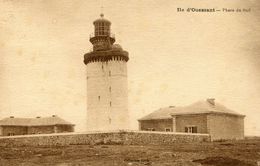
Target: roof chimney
211 101
11 116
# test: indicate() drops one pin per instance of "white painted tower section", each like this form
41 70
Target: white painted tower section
107 95
107 91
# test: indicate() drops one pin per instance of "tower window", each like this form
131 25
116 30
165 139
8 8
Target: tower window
99 98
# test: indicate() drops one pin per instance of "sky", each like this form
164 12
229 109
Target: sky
176 58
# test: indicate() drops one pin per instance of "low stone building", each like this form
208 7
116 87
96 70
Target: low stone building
39 125
200 117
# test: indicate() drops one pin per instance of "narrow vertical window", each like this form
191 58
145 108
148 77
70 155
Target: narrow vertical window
110 103
110 89
109 73
98 98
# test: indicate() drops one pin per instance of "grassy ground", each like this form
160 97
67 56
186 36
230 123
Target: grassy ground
238 153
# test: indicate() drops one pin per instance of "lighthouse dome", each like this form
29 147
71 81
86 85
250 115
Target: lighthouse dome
102 20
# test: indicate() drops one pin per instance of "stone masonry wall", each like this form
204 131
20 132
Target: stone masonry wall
16 130
40 129
223 126
198 120
95 138
157 125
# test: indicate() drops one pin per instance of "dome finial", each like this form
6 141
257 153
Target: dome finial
101 15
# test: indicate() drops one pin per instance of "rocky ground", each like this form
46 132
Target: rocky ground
229 153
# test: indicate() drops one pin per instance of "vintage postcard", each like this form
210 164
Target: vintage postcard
139 82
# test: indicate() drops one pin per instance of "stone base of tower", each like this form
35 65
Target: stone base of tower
106 129
102 124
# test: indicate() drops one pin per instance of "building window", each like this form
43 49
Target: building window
168 129
191 129
10 134
109 119
110 89
109 73
150 129
110 103
98 98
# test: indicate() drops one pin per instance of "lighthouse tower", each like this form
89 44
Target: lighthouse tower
107 96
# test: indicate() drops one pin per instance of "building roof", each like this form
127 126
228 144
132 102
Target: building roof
200 107
39 121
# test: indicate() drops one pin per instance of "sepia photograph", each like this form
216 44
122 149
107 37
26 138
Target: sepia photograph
129 83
